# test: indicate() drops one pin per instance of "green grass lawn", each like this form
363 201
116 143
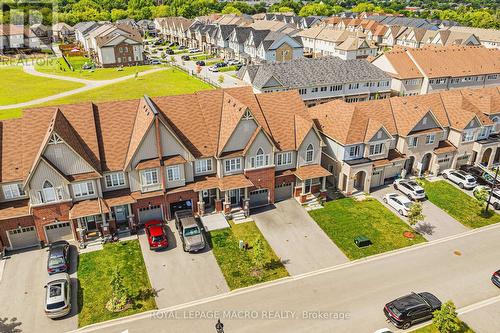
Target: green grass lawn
228 68
238 266
459 205
344 219
18 87
59 67
431 329
94 275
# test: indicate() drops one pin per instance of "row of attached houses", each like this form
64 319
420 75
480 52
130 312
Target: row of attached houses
371 143
35 37
320 80
83 170
433 69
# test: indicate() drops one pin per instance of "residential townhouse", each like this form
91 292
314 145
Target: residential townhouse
115 45
82 31
490 38
62 32
35 37
433 68
298 21
174 29
369 144
89 169
11 36
320 80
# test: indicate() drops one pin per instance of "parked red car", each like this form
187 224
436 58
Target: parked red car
157 238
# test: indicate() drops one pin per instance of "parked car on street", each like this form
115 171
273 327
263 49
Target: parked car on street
189 231
58 260
185 57
409 187
182 47
58 295
482 177
200 63
232 62
155 62
461 178
399 202
173 44
194 50
169 51
495 278
157 237
411 309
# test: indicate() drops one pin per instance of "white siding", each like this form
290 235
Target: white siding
66 160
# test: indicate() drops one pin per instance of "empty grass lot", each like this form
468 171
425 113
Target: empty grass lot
59 67
459 205
94 274
344 219
18 87
238 266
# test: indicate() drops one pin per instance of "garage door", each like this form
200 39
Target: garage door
181 205
150 213
21 238
283 191
444 163
259 198
58 231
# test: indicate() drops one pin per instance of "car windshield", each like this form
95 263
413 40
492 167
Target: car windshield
56 261
56 305
193 231
158 238
394 310
55 290
419 191
471 180
488 177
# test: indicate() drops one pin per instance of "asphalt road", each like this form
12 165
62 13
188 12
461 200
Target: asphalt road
349 296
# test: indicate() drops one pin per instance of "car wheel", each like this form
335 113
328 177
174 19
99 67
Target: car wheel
401 212
409 196
184 247
496 205
384 200
445 176
461 185
406 325
395 186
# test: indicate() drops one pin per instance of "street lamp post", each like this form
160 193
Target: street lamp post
493 185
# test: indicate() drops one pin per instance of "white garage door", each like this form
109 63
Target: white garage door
282 191
259 197
58 231
150 213
21 238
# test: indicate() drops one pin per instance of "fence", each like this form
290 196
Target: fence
200 77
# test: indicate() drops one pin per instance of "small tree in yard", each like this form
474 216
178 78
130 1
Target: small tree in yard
119 293
415 213
446 319
259 255
482 196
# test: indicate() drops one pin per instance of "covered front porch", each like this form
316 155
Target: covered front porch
487 152
311 179
355 176
90 219
120 217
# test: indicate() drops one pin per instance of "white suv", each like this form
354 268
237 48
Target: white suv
495 196
461 178
409 187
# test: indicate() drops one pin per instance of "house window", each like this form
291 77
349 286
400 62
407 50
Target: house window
484 133
309 153
303 91
424 121
376 149
412 142
467 136
492 77
429 139
323 88
314 89
455 80
259 160
49 193
203 165
83 189
115 179
336 88
12 191
353 151
247 115
150 177
353 86
232 165
173 173
284 158
54 139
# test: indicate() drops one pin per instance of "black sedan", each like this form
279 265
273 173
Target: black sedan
185 58
200 63
58 260
482 177
411 309
495 278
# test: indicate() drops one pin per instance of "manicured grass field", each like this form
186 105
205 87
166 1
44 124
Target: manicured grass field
237 265
94 275
18 87
459 205
431 329
344 219
59 67
228 69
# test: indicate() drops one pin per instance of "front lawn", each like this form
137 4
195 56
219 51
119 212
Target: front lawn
344 219
95 270
432 329
239 266
463 208
59 67
228 68
18 86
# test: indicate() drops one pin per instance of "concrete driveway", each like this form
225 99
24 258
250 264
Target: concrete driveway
437 223
181 277
22 294
296 238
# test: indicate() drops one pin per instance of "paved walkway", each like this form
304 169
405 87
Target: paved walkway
296 238
437 223
89 84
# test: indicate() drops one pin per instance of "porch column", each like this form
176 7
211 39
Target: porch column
201 204
227 203
105 225
323 184
303 195
246 203
303 187
492 157
218 201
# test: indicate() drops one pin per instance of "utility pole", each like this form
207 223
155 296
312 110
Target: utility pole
492 187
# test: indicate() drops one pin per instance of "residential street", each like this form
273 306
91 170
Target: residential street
458 268
437 223
296 238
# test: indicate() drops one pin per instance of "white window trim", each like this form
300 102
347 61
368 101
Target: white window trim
203 166
56 193
83 189
309 149
144 176
374 146
13 191
116 179
284 158
430 139
234 165
356 151
468 136
412 142
175 171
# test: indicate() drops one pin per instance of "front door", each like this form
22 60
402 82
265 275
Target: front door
91 223
308 185
120 213
234 196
